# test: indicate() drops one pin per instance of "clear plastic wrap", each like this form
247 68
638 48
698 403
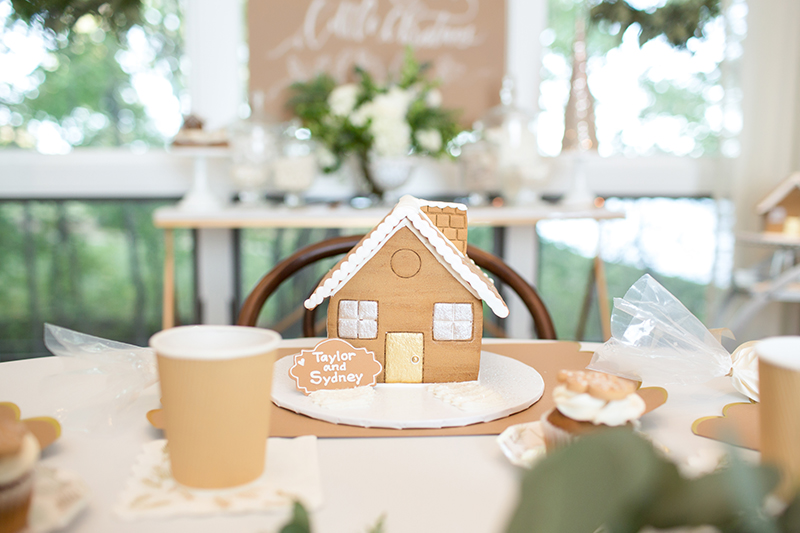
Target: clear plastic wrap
657 340
104 380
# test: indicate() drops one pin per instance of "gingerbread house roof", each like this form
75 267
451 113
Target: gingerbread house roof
778 193
408 213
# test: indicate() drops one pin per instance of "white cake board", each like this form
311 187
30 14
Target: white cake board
407 406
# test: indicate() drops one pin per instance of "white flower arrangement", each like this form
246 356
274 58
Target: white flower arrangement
372 121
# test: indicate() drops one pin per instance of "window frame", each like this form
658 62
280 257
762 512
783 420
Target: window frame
119 173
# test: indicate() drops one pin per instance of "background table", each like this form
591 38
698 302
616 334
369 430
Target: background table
215 250
461 484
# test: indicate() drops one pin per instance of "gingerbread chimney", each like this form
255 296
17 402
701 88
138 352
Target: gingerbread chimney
452 222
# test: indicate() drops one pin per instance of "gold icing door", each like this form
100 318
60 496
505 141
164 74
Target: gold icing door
403 358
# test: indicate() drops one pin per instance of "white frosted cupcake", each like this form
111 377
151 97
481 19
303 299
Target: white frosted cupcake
587 401
19 452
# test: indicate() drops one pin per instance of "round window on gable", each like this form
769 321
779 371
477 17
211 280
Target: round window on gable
406 263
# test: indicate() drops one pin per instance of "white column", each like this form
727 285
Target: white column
520 251
525 21
214 40
215 276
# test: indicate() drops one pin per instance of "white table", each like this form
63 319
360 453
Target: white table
425 484
215 247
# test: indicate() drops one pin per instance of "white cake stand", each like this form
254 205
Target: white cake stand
200 198
406 406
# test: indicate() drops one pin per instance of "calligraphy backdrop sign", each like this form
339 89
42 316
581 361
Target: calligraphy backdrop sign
297 39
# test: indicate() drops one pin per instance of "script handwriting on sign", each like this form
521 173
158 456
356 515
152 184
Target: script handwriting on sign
334 364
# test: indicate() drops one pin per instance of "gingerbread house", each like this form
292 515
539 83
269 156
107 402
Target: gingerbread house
409 293
781 208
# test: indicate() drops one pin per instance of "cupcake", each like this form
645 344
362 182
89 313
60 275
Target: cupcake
587 401
19 451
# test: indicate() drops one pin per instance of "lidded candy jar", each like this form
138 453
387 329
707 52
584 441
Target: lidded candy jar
510 131
295 165
254 146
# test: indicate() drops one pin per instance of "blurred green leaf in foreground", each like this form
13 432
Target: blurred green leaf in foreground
616 480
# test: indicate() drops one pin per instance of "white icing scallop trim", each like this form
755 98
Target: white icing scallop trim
407 214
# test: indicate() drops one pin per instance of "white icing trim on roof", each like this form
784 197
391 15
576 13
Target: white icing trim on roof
408 212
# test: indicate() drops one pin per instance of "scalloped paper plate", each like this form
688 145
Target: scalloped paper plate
738 425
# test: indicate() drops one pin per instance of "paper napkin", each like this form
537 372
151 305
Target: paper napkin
291 473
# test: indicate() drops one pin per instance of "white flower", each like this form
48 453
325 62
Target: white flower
433 98
325 157
389 106
392 137
361 115
392 104
342 99
430 140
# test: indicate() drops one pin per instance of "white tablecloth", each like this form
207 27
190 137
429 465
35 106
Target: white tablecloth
461 484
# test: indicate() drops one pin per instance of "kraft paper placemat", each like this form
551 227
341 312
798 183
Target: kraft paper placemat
547 358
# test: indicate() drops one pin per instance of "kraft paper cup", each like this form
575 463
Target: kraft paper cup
215 392
779 391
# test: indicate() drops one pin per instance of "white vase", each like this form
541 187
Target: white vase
390 173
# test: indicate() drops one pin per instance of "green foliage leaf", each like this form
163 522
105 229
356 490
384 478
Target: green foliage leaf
61 15
82 78
599 479
412 71
728 498
617 481
300 522
678 21
369 89
379 525
790 519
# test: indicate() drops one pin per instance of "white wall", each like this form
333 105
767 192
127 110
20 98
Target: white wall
770 138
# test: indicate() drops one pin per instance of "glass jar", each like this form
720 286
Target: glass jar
478 167
295 166
511 133
253 148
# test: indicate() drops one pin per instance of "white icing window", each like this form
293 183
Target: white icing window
358 319
452 322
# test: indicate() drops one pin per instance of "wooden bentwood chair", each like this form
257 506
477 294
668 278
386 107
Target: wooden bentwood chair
248 315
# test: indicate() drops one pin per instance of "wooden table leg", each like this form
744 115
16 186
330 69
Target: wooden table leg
598 285
602 296
168 311
602 285
583 318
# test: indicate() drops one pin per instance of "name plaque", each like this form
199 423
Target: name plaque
334 364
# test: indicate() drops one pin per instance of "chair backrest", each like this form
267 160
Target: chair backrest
248 315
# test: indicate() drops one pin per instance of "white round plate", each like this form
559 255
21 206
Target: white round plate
406 406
